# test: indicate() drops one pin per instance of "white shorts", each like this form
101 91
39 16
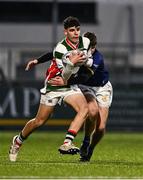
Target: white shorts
102 94
54 97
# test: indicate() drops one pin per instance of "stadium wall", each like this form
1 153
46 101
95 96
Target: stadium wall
19 103
112 26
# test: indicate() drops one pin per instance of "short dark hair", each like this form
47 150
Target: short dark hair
71 22
92 37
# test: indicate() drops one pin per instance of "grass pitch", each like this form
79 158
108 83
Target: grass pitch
117 156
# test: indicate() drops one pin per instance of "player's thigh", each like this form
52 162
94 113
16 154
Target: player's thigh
77 101
92 105
44 112
47 104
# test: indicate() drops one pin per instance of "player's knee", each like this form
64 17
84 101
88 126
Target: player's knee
102 127
38 122
84 110
93 113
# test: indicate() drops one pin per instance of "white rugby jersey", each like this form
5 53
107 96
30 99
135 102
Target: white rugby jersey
65 45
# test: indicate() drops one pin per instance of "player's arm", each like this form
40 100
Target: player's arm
43 58
86 43
67 70
61 57
73 60
58 81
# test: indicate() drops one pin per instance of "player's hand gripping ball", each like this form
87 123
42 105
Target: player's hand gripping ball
76 57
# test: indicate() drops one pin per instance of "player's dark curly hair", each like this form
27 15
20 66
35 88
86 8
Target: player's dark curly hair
71 22
92 37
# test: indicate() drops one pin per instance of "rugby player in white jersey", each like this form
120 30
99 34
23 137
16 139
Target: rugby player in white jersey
94 82
52 95
95 85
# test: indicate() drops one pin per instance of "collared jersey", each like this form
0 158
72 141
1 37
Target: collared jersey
65 46
57 63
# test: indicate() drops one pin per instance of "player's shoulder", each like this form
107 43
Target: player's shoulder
98 54
60 47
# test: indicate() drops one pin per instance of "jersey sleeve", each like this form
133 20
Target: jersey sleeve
58 53
97 60
86 43
45 57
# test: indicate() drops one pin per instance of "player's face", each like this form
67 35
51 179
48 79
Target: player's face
93 49
73 34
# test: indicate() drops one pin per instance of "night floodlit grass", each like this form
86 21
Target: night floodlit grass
118 155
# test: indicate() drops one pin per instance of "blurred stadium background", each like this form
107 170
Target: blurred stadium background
28 28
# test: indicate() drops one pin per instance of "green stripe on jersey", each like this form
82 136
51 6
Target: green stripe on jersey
80 43
56 88
58 55
69 48
63 47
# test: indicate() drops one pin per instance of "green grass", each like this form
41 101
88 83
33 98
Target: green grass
118 155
